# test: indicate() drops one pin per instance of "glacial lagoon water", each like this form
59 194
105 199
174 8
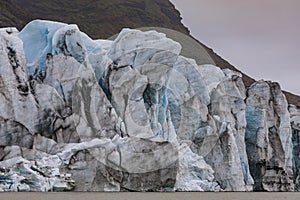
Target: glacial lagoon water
152 196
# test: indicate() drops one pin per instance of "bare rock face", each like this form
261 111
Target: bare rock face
268 138
133 114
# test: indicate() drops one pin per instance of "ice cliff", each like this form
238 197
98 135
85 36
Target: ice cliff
132 114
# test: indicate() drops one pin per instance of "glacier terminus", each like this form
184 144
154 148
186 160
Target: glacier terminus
133 114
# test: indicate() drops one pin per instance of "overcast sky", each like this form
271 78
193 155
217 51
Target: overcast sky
259 37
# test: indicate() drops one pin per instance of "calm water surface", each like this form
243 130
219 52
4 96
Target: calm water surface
149 196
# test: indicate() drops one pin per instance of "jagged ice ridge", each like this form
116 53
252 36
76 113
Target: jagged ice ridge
132 114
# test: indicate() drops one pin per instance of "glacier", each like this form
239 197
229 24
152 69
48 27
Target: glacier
133 114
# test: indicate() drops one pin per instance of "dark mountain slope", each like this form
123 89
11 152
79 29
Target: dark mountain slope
104 18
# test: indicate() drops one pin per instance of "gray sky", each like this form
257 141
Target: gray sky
259 37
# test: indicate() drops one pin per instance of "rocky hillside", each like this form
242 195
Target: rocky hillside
102 19
99 19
